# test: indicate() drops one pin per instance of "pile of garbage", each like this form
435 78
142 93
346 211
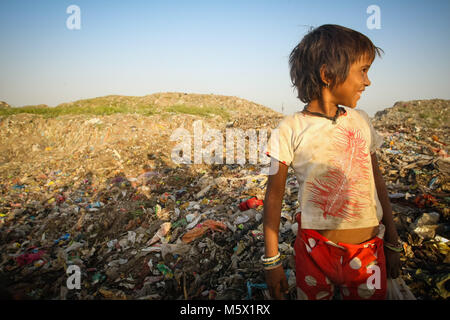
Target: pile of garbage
4 105
101 196
415 164
172 245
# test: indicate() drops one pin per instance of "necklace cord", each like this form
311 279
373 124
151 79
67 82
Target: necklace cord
338 110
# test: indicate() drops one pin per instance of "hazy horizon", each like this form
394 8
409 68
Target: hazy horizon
233 48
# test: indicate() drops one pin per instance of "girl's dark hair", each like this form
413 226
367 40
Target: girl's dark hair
334 46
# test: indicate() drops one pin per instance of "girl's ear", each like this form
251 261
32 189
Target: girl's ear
323 75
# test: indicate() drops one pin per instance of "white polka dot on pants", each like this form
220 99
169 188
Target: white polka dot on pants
355 263
322 294
364 291
310 280
312 242
345 291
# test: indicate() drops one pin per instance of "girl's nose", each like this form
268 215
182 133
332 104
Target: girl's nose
367 81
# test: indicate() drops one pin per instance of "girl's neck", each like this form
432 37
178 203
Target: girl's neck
328 109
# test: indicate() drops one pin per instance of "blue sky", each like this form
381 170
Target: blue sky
236 48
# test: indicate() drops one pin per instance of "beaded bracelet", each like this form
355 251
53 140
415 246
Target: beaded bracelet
273 266
398 245
271 259
398 248
266 264
272 262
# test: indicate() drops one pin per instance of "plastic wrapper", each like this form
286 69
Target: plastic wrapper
398 290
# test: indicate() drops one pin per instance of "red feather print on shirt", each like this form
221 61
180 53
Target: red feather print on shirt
338 192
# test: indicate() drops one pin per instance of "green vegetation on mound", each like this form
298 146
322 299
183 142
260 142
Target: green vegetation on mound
115 104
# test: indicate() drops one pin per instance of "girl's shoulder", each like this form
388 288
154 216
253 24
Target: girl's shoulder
358 112
361 116
291 120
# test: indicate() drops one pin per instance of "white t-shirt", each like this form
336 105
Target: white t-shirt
332 163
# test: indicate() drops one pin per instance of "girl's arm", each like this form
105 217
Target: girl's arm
272 209
275 278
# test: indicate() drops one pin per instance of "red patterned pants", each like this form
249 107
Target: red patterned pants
357 271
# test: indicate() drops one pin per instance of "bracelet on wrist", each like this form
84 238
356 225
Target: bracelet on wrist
273 266
267 264
393 248
398 243
271 259
271 262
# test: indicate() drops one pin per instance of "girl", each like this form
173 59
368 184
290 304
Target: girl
345 219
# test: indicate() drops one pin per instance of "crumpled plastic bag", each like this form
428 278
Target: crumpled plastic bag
398 290
179 248
161 233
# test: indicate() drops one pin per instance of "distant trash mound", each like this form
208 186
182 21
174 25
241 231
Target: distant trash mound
4 105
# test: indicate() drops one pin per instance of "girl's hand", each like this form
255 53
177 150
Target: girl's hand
277 283
392 263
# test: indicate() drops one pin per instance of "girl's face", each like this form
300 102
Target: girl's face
349 92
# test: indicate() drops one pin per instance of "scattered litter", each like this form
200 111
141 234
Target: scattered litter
102 193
